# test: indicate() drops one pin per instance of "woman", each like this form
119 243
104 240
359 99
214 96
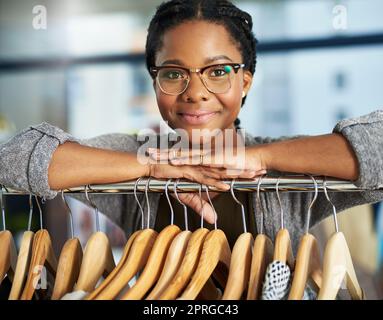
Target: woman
201 56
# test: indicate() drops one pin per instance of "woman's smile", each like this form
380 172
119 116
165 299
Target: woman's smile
197 117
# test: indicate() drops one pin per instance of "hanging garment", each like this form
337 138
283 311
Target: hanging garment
278 282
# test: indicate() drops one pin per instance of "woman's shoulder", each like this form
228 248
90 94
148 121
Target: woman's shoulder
113 141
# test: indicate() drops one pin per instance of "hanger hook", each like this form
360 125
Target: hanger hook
94 207
2 208
70 214
138 202
40 211
30 212
333 207
260 203
147 187
215 213
170 203
312 203
184 206
242 207
280 203
200 198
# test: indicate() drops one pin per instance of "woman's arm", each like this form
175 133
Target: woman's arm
329 155
73 164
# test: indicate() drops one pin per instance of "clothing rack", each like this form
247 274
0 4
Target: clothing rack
293 183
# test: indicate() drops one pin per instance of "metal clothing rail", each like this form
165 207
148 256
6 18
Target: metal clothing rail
268 184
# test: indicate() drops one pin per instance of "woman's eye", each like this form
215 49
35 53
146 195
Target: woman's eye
173 75
218 72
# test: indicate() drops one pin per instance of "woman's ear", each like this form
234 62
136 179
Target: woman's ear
247 81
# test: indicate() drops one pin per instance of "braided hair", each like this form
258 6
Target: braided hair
172 13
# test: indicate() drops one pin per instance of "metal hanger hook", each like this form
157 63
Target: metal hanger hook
242 207
184 205
280 203
40 212
2 208
333 207
260 203
147 187
94 207
311 204
170 203
30 211
138 202
200 198
215 213
70 214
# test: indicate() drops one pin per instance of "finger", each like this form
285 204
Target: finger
210 160
171 154
191 173
222 173
201 206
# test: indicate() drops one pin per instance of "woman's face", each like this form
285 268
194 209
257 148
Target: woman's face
196 44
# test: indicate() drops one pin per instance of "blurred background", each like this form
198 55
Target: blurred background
79 65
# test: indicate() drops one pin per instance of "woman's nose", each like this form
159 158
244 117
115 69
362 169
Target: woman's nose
196 90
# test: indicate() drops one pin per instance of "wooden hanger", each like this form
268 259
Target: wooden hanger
70 260
308 263
8 255
239 271
262 257
337 265
176 251
136 255
124 257
215 250
8 252
189 263
97 258
155 264
116 270
97 261
240 263
173 262
153 268
136 260
23 259
42 257
282 248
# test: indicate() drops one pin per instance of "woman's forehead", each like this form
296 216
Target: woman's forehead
194 43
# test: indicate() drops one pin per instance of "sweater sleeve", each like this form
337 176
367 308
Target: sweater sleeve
364 134
25 158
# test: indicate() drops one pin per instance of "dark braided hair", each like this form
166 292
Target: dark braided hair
172 13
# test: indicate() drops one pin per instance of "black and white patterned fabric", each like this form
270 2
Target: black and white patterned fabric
278 282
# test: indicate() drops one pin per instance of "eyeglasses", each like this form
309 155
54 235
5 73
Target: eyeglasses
174 80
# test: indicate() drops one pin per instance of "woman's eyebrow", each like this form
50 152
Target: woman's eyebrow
207 60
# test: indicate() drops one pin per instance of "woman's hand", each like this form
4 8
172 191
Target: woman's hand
213 169
247 162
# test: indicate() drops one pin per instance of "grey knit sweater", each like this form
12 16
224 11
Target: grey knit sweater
25 158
